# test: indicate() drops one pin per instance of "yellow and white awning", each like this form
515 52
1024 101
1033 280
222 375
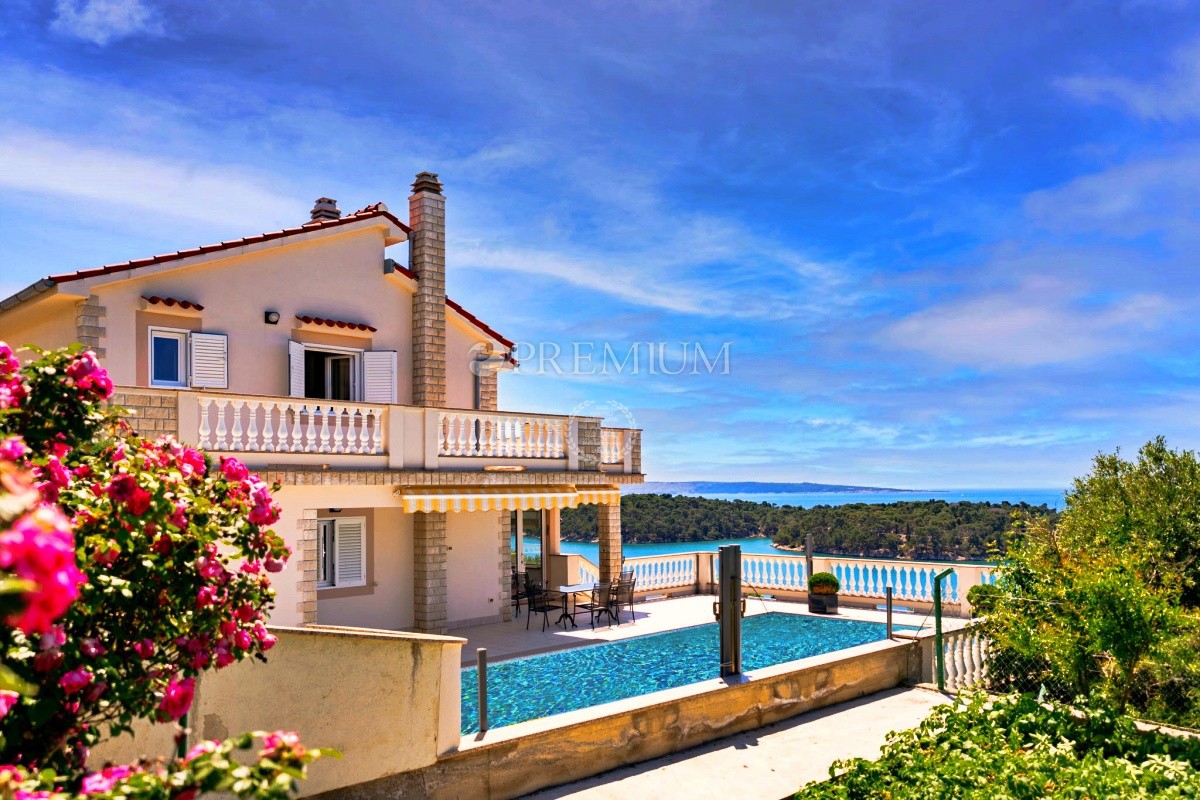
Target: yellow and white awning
600 495
502 498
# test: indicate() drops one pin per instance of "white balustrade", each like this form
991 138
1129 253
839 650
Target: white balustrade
909 581
655 573
497 435
236 424
774 572
613 445
588 572
966 654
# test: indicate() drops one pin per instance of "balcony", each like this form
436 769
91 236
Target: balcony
298 431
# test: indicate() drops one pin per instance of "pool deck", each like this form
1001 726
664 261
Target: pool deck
510 639
768 763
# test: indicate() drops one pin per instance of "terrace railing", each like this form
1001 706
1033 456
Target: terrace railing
656 573
965 658
287 430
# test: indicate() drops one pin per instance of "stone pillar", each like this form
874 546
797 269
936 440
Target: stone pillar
429 571
489 391
427 251
89 325
305 562
553 532
609 524
506 565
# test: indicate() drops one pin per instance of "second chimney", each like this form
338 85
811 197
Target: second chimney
325 208
427 257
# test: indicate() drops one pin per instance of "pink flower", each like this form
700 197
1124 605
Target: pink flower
8 361
251 567
121 487
242 640
75 680
92 648
177 698
140 502
207 596
48 660
106 554
265 640
200 749
144 648
210 568
281 745
273 564
234 470
13 449
7 701
87 374
100 782
191 463
40 548
177 518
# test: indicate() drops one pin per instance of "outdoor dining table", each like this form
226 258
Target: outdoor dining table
568 593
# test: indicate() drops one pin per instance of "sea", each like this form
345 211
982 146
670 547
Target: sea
1050 497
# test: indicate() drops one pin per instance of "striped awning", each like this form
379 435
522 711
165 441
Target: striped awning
600 495
502 498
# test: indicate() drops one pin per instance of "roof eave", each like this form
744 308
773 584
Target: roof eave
30 292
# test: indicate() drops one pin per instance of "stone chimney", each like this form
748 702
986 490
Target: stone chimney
427 257
325 208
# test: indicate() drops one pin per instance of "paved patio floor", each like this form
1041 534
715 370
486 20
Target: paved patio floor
765 764
511 639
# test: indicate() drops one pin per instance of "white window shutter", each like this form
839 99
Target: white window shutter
350 551
379 376
209 360
295 369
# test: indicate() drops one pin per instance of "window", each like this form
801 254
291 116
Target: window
168 357
329 376
341 552
341 373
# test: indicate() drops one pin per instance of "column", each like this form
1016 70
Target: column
609 523
506 565
553 532
304 559
429 571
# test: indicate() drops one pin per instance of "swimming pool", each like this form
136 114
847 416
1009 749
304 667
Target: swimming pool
533 687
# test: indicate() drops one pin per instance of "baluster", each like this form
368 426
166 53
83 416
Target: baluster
323 429
235 435
222 430
960 660
473 442
268 433
339 441
252 428
443 438
376 433
463 436
205 428
311 430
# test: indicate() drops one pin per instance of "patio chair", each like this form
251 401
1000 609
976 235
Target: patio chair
601 603
520 590
623 596
543 602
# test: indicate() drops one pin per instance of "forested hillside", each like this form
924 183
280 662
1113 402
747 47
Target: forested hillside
925 529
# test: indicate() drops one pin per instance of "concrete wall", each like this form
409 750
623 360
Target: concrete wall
48 324
516 760
382 699
473 579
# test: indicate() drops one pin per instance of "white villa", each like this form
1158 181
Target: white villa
351 379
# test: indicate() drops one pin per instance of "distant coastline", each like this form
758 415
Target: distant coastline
755 487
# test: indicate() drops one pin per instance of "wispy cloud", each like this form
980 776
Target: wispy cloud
102 22
1172 96
45 164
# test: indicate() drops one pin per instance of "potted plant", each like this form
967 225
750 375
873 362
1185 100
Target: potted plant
823 593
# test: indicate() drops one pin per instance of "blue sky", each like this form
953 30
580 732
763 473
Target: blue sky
948 244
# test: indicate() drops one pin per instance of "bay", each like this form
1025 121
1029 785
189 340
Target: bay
591 550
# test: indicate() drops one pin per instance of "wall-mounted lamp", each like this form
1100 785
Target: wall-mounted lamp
271 317
335 511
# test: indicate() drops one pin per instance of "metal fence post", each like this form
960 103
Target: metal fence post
939 655
481 671
889 612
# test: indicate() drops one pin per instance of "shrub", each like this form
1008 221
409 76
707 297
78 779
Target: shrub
128 567
823 583
1018 747
982 598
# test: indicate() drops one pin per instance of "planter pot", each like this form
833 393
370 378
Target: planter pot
823 603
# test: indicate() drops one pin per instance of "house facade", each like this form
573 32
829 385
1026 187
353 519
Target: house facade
340 369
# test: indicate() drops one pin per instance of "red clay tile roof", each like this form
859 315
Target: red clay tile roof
478 323
171 301
335 323
376 210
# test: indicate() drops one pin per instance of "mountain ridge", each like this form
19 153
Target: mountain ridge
750 487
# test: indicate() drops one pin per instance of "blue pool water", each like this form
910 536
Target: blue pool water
538 686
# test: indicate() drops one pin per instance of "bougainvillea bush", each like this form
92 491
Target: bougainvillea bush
129 566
